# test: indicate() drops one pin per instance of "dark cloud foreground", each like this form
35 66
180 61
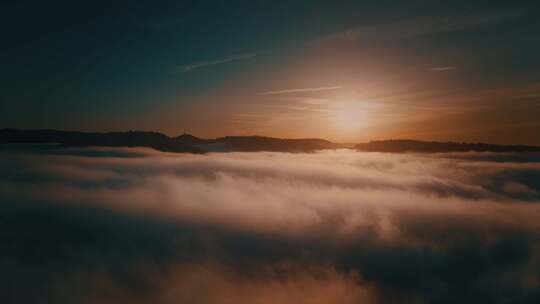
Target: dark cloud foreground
137 226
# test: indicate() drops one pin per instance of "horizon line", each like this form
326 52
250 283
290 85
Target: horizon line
273 137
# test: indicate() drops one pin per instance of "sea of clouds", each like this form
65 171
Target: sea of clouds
112 225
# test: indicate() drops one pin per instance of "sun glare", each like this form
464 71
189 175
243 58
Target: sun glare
349 116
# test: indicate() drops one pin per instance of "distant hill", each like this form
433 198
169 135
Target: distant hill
153 140
161 142
404 145
189 139
259 143
192 144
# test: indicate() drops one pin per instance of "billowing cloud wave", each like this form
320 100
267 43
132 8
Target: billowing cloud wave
136 226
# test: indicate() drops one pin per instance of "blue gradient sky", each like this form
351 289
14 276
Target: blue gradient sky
347 71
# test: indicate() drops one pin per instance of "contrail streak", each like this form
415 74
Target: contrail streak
301 90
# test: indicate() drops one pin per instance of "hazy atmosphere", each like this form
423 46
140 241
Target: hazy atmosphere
139 226
346 71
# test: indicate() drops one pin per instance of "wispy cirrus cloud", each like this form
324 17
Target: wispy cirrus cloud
424 26
301 90
443 68
203 64
305 100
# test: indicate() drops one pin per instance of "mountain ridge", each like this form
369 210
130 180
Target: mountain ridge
187 143
411 145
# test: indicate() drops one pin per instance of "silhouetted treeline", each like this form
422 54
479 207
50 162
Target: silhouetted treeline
153 140
403 145
161 142
192 144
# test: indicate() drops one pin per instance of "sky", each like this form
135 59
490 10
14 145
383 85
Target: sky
347 71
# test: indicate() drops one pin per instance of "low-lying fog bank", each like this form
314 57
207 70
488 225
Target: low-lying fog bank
105 225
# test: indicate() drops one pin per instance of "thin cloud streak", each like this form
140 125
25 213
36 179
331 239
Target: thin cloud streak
202 64
302 90
443 68
424 26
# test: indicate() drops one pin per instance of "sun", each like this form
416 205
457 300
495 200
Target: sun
349 116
